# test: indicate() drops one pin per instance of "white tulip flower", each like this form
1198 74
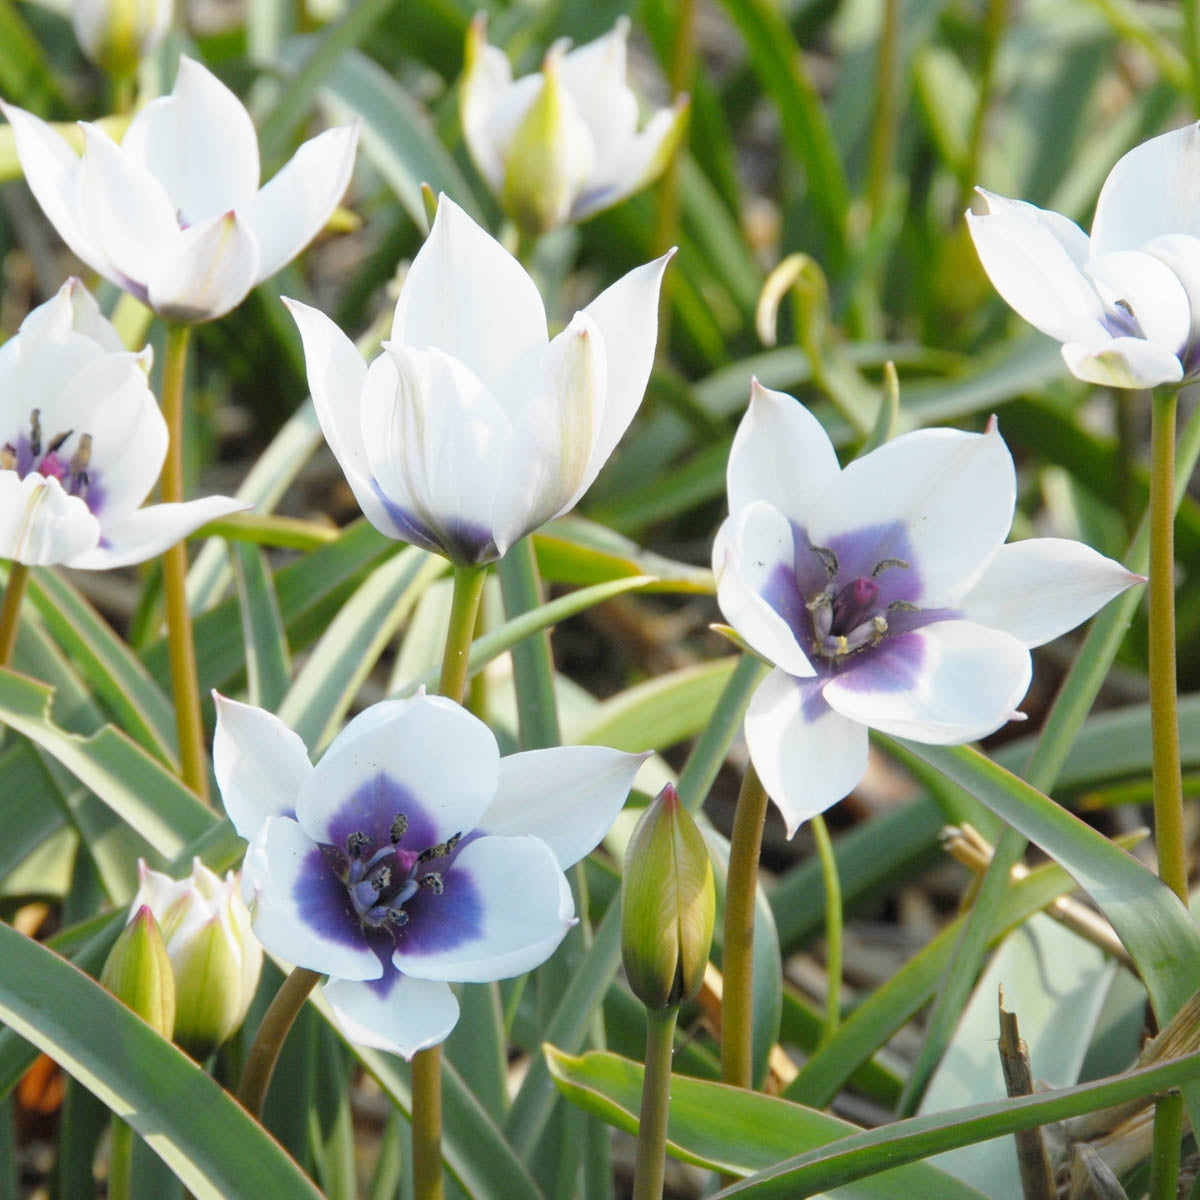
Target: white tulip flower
474 427
563 143
1124 302
174 214
117 34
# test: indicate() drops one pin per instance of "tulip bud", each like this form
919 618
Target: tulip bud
667 906
138 971
214 956
117 34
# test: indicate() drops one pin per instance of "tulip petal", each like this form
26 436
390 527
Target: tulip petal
423 757
780 454
149 531
40 524
293 208
468 297
1181 253
1145 288
395 1013
1034 258
938 499
1152 190
1037 590
546 468
594 74
125 211
754 561
436 440
504 909
207 271
486 78
1125 362
949 682
569 796
199 143
626 314
260 765
301 910
52 169
807 756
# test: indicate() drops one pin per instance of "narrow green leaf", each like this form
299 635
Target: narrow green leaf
268 662
199 1130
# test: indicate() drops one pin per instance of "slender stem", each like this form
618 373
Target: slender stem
1164 1158
656 1104
427 1124
883 116
10 614
185 683
737 1008
464 609
1164 720
833 926
120 1161
272 1033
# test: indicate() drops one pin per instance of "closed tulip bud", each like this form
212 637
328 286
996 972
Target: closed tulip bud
667 905
138 972
214 955
117 34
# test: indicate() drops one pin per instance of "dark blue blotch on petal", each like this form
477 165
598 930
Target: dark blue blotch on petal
783 594
459 541
370 809
859 552
438 923
322 902
893 666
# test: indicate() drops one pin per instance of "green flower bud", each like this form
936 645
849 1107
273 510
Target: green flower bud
214 954
117 34
668 903
138 972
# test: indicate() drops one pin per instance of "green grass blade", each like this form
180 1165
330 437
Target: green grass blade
268 662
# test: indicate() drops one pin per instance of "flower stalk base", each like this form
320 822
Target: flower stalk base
656 1102
10 614
272 1033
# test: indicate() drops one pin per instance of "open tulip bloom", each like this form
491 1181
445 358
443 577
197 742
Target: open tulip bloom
174 214
561 144
407 858
1125 302
82 442
883 594
473 427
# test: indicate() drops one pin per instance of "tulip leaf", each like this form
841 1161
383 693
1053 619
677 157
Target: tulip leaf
268 662
863 1155
29 812
198 1129
731 1129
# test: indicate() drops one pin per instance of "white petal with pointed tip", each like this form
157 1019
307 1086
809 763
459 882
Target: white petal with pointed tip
467 296
1039 589
295 205
446 759
569 796
1035 266
260 765
594 74
149 531
40 524
754 557
952 492
398 1013
209 270
526 910
950 682
292 878
780 454
807 756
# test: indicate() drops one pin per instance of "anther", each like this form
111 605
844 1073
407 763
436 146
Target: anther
902 606
399 828
433 882
35 433
8 457
81 458
828 557
57 441
382 879
883 565
397 916
356 843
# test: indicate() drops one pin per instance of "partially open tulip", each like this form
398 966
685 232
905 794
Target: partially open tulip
883 594
117 34
474 427
175 214
1125 303
563 143
82 442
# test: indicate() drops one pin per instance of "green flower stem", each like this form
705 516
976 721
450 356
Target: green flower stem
656 1104
1164 1157
427 1064
737 1008
10 614
120 1161
833 926
1164 719
185 684
464 610
272 1033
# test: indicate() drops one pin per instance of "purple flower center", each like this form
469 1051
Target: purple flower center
52 460
850 617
